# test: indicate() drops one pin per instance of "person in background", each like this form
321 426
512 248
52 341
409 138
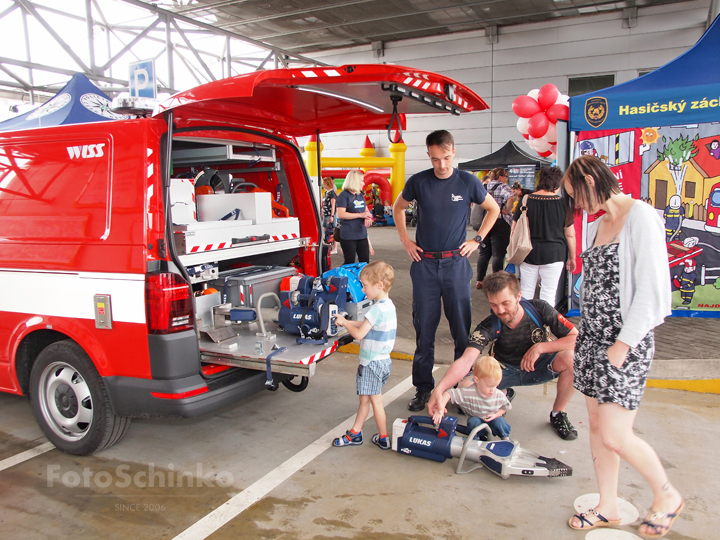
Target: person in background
553 240
440 272
355 218
518 193
498 238
329 211
625 295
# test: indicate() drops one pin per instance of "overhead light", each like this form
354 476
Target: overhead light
341 97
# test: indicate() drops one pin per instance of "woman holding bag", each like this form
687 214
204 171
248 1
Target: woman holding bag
553 242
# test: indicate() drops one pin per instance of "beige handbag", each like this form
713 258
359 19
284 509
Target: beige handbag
520 244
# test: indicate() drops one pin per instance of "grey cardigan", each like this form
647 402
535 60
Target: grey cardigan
645 293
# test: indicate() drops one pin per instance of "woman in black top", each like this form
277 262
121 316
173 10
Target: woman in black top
354 220
553 240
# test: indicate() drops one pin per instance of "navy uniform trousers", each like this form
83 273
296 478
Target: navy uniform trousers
435 279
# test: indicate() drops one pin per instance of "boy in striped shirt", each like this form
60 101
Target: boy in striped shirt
377 335
480 398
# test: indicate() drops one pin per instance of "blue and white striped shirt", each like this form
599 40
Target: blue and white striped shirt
380 340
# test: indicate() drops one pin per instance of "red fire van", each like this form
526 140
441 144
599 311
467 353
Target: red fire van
108 264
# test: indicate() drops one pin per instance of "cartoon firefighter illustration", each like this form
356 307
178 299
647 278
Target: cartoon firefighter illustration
686 282
673 215
587 148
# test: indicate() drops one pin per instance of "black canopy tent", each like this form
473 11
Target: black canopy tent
506 156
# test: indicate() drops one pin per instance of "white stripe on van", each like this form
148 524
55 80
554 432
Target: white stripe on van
70 294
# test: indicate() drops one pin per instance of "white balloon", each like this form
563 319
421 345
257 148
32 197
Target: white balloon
562 99
522 125
551 133
532 143
541 145
534 93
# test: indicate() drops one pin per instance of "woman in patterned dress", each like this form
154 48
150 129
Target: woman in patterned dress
626 293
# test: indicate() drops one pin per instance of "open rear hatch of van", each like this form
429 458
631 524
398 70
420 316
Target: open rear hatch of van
235 136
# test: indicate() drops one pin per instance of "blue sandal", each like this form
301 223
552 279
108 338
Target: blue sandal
349 439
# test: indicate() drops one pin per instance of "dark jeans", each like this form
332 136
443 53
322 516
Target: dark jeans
350 248
495 248
439 282
499 426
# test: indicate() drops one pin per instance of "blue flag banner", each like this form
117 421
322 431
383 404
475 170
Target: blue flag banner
682 92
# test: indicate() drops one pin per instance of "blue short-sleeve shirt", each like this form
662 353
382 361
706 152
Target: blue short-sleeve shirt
443 207
352 229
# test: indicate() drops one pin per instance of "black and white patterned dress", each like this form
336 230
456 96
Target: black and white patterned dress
600 325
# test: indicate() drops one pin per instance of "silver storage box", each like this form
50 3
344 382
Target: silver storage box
246 285
356 310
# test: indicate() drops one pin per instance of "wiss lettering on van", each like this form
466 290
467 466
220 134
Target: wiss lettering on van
86 151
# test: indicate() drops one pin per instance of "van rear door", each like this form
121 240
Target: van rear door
300 101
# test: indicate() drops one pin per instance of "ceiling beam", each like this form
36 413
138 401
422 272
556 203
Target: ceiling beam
259 44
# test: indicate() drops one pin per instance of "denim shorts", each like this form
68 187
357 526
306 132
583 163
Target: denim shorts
371 378
543 372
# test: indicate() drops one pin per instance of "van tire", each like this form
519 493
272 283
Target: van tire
70 401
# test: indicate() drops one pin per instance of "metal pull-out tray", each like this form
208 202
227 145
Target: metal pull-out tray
242 350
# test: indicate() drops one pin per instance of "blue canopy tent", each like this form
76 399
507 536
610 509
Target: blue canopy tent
683 91
79 102
660 135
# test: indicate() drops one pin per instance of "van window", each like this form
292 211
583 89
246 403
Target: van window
55 190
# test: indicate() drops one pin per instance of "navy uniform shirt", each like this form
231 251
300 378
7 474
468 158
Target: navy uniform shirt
443 207
352 229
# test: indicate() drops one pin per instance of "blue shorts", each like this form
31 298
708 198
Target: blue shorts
543 372
371 378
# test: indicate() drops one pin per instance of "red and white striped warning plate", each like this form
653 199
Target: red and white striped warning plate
225 245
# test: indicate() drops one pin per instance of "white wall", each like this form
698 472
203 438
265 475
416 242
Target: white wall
525 57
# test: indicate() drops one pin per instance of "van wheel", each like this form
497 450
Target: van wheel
70 402
296 387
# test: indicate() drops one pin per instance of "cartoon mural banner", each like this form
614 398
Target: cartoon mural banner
669 159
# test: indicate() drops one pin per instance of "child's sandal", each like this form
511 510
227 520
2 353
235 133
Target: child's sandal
349 439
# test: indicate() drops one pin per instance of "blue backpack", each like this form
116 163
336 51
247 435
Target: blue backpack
352 273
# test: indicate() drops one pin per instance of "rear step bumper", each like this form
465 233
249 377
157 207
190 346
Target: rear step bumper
134 397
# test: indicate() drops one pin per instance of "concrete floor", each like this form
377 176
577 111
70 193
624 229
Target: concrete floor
357 492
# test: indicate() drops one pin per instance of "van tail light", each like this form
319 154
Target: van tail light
168 302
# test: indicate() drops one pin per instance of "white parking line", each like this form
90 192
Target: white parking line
24 456
256 491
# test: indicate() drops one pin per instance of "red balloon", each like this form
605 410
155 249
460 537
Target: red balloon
557 112
547 96
545 154
527 137
525 106
538 125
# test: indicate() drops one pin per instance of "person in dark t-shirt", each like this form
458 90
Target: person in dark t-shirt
522 346
440 271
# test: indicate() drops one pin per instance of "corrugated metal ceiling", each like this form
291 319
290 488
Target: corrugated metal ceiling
306 26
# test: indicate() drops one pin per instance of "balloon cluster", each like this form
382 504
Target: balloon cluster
539 112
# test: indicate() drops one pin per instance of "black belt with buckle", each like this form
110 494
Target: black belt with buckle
440 254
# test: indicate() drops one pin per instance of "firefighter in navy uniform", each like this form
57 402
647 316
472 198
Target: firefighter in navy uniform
440 272
686 282
673 215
